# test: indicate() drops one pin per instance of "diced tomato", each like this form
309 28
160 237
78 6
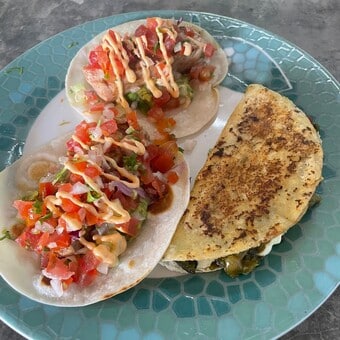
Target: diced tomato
189 32
209 50
91 219
91 97
71 145
155 114
86 271
172 103
169 44
140 30
112 35
127 202
69 215
109 127
62 223
151 23
62 240
202 72
162 163
28 240
163 99
88 278
24 208
80 166
44 258
159 186
58 267
172 177
46 189
165 125
147 175
131 117
26 211
92 171
66 187
68 206
150 34
99 58
74 178
130 228
98 107
88 169
82 131
162 157
43 241
119 67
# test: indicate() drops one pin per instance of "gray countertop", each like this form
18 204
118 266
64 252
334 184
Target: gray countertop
312 25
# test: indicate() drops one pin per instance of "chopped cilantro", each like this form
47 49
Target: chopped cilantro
6 234
30 196
131 163
37 207
18 69
60 176
45 217
72 44
92 196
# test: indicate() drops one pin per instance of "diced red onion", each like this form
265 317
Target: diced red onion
108 114
49 275
121 187
59 229
42 227
78 150
96 154
47 228
63 159
96 132
141 192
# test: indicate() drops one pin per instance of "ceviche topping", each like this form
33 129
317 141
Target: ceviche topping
80 219
156 66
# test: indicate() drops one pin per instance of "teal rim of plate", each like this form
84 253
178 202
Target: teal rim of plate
291 282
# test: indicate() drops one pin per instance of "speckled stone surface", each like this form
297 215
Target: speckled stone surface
312 25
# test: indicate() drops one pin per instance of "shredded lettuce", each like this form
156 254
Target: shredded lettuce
77 92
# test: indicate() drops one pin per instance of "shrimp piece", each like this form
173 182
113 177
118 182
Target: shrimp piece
96 78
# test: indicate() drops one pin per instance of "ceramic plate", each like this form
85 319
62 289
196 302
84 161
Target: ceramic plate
292 281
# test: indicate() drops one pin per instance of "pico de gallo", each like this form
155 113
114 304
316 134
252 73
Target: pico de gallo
80 219
155 69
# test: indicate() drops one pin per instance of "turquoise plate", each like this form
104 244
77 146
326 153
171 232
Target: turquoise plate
292 281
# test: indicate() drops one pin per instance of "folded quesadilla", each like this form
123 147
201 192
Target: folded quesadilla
157 66
257 183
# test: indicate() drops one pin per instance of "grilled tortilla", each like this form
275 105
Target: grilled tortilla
256 183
